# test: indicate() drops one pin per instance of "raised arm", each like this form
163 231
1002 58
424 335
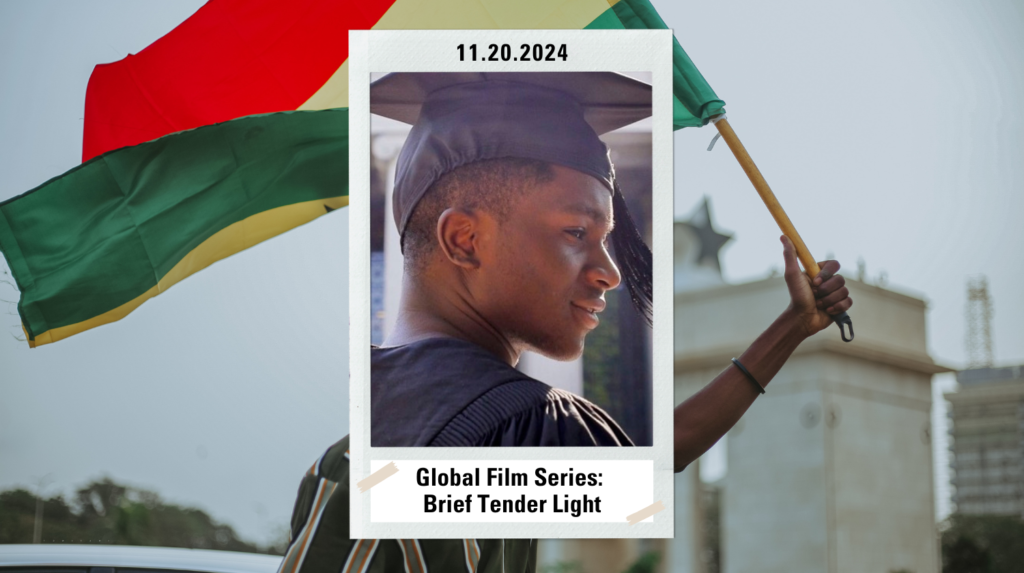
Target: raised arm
706 416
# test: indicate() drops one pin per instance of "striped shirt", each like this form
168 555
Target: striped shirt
319 540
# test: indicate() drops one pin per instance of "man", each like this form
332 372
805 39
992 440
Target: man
506 248
471 305
319 532
506 202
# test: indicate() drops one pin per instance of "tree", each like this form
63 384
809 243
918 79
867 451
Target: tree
982 544
106 512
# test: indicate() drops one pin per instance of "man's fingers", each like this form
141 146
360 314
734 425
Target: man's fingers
789 256
829 286
833 298
828 268
841 306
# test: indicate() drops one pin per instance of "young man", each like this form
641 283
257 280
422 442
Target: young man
505 228
319 533
505 200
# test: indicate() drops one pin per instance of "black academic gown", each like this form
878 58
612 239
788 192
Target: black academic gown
449 392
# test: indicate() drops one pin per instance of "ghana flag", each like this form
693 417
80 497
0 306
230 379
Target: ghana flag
227 131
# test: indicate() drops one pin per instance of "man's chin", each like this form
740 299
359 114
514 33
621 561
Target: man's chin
563 352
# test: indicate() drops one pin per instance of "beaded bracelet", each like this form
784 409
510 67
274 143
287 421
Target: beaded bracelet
749 376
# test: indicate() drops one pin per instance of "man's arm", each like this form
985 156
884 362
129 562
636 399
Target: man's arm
706 416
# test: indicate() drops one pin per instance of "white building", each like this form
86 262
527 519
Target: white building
831 470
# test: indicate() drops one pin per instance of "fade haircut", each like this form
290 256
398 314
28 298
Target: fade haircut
491 185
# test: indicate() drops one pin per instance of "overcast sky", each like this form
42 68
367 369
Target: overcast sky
890 131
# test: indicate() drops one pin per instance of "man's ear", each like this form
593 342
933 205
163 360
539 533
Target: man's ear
457 234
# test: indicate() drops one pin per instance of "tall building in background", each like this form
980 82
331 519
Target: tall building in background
978 339
987 441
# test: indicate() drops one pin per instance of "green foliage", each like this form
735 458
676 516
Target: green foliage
108 513
601 361
647 563
564 567
983 544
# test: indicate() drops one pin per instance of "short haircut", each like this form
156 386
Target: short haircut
491 185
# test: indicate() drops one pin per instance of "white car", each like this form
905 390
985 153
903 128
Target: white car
52 558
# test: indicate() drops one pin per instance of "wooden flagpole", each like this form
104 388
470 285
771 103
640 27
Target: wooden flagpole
802 252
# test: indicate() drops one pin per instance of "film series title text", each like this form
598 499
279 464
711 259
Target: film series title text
574 505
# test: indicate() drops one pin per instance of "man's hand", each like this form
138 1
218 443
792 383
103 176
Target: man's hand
813 303
706 416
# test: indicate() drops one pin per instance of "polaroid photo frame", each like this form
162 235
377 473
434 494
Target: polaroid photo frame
507 492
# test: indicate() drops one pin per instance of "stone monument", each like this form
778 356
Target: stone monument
831 470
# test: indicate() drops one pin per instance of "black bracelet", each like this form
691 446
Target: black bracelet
749 376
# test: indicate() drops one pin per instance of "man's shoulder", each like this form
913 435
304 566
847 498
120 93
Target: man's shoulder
436 361
333 464
526 394
418 388
528 412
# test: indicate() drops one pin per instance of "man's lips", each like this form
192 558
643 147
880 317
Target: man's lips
587 311
594 305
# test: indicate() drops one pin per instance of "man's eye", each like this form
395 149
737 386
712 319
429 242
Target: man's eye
578 233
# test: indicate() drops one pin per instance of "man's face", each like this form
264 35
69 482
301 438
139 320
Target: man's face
544 273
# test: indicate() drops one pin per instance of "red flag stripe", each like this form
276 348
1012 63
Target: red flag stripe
230 59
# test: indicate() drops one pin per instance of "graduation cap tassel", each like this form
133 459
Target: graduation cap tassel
633 257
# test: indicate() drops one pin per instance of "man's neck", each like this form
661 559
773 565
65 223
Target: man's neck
424 314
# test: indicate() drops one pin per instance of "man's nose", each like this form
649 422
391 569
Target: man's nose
603 273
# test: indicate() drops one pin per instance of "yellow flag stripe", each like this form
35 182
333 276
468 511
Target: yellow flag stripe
226 242
490 14
467 15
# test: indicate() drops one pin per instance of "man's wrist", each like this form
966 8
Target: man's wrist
793 325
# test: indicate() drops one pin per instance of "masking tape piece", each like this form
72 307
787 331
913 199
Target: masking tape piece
643 514
379 476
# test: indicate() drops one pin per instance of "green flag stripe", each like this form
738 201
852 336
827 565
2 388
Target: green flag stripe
112 227
694 101
608 20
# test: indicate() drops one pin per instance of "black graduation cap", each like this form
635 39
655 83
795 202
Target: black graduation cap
556 117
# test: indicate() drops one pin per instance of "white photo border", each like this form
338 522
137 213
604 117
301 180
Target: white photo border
435 51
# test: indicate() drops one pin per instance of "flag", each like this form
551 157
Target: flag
231 129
